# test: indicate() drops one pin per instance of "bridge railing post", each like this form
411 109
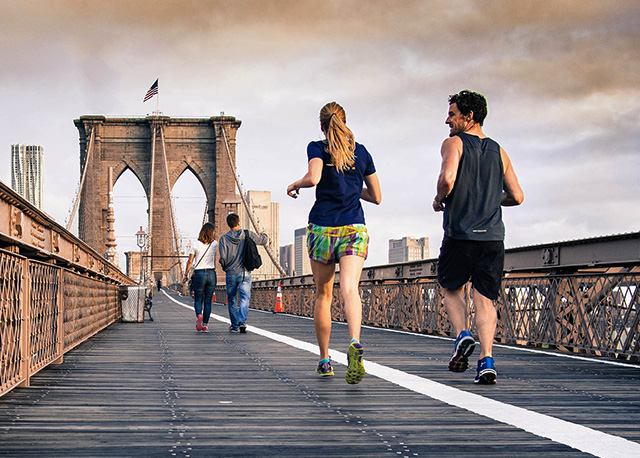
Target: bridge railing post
25 326
60 304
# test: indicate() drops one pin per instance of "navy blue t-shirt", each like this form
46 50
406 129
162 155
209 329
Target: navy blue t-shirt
338 193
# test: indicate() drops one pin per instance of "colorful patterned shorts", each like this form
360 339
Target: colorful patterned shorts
328 244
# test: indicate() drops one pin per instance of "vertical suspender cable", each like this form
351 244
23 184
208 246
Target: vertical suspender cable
84 175
153 162
172 214
246 205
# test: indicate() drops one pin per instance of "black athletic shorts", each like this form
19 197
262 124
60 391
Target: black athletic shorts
464 260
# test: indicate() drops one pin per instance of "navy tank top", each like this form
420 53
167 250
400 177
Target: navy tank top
472 209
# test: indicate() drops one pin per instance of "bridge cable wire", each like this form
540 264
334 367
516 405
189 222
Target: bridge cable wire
76 201
252 217
205 217
172 213
150 229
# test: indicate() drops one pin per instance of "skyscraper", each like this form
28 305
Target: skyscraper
287 259
302 263
26 172
408 249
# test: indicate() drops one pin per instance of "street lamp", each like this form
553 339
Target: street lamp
141 237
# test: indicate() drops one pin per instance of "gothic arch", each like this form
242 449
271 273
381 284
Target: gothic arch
203 178
134 168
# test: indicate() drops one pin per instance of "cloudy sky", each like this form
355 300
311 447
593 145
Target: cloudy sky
562 79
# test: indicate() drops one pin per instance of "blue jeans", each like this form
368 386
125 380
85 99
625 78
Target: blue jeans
238 284
203 283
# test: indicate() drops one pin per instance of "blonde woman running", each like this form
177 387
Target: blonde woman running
338 167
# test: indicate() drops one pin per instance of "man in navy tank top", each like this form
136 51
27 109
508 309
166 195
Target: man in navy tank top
476 180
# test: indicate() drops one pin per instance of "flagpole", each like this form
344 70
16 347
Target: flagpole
158 100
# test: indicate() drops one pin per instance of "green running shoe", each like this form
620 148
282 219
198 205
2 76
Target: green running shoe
355 368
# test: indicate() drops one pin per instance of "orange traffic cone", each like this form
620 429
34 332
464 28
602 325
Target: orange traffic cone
213 299
279 307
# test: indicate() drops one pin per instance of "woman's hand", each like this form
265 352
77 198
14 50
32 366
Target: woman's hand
309 180
293 190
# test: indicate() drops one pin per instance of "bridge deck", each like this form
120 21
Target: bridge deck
161 389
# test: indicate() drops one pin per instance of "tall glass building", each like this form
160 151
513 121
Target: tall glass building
27 163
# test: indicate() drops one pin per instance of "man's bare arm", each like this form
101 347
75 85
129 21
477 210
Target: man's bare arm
512 192
451 151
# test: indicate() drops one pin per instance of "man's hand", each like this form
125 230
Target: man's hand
437 205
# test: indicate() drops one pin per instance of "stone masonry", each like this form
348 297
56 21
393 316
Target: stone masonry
128 143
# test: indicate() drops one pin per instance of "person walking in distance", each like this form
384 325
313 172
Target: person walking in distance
203 280
476 180
238 278
336 234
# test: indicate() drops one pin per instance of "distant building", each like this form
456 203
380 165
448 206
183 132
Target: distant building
27 163
408 249
134 259
302 264
287 259
267 216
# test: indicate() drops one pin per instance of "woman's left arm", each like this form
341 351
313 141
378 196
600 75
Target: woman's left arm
189 262
309 180
371 192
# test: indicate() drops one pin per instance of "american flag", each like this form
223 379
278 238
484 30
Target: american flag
153 90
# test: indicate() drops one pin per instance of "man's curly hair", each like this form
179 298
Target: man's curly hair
468 101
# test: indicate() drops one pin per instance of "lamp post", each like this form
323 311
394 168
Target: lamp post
141 237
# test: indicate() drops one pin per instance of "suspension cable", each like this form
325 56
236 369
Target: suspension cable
246 205
84 175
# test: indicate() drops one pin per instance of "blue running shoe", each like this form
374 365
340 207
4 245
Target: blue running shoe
462 349
325 369
486 374
355 368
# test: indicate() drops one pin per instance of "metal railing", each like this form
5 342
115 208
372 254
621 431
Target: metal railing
55 291
588 314
580 296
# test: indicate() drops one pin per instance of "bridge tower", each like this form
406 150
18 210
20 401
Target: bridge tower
157 149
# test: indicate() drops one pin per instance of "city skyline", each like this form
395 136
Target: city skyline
561 79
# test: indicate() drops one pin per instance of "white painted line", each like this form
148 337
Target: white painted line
580 437
509 347
514 348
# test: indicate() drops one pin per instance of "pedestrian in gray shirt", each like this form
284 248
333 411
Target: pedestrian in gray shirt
238 278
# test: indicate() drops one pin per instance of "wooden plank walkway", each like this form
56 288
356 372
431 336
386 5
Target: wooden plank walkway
158 389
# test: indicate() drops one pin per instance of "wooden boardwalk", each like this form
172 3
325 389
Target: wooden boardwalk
159 389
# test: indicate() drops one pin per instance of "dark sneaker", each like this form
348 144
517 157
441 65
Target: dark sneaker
325 369
199 323
232 329
355 368
486 373
462 349
243 328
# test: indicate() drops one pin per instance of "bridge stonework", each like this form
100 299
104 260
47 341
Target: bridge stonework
144 146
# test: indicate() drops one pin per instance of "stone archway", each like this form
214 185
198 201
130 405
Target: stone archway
157 149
